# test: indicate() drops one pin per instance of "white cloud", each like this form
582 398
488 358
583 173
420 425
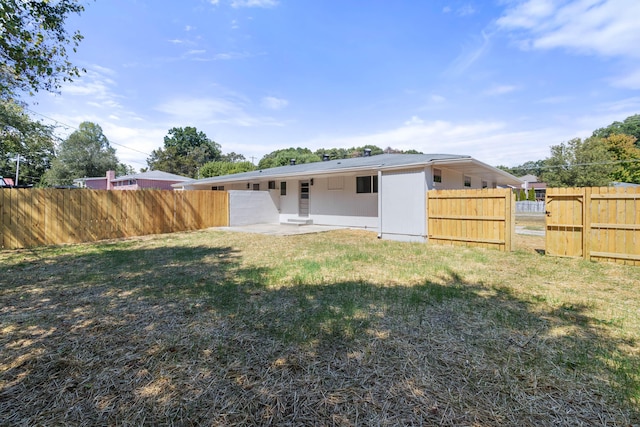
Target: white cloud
231 55
414 120
466 10
97 86
214 2
470 55
499 90
488 141
437 98
213 111
274 103
628 81
253 3
603 27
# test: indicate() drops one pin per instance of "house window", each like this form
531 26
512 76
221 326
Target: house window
484 184
467 181
218 188
256 187
283 188
367 184
272 185
437 175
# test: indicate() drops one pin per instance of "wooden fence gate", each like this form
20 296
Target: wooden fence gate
600 223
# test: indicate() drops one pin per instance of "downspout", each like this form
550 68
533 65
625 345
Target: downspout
379 204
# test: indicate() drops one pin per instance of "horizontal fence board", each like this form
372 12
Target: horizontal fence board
37 217
483 218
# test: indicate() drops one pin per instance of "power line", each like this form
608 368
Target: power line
76 129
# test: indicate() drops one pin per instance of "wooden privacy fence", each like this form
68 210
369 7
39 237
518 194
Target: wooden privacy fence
600 223
484 218
35 217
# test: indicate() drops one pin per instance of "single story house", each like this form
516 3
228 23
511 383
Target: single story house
156 180
531 181
385 192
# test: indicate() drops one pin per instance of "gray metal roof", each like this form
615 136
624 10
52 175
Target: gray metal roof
154 176
381 161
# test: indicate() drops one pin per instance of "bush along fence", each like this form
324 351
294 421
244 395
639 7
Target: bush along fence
484 218
600 223
36 217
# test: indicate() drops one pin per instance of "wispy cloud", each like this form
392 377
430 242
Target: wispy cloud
213 111
273 103
500 90
602 27
464 10
630 80
471 54
254 3
492 142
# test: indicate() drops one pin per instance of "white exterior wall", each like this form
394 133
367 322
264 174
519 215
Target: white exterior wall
451 180
403 213
252 207
342 205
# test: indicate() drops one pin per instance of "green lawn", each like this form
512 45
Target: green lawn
338 328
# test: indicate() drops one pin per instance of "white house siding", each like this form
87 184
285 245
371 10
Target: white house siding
338 206
403 213
452 180
334 201
252 207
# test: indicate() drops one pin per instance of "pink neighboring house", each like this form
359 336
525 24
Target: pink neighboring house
155 180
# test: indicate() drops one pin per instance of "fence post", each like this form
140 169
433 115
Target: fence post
586 223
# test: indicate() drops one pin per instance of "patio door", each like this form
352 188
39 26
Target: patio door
303 204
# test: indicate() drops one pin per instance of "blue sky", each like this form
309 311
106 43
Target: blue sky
498 80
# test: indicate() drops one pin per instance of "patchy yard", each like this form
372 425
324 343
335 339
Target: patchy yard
338 328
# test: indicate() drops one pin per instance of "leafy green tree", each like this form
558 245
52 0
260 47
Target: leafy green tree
232 157
283 157
21 136
623 148
347 153
124 169
225 168
85 153
527 168
629 126
33 45
579 163
185 151
531 195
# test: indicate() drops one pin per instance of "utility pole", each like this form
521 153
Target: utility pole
17 168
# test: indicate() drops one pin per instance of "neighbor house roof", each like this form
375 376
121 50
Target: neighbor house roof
153 176
378 162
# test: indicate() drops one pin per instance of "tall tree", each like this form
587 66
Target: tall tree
527 168
283 157
23 138
225 168
579 163
33 45
624 150
347 153
629 126
185 151
85 153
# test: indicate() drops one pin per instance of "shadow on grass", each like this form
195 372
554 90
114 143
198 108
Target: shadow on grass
190 335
